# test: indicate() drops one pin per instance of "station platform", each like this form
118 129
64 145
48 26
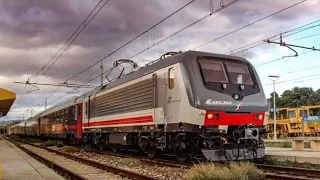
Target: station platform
16 164
287 154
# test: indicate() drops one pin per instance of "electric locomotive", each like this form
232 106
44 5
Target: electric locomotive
190 105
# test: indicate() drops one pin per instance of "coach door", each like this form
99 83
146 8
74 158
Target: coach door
87 111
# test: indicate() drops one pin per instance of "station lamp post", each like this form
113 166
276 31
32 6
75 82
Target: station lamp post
274 78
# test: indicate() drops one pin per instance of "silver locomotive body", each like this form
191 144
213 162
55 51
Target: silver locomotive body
192 104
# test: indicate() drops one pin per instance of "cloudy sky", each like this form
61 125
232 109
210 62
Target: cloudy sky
32 32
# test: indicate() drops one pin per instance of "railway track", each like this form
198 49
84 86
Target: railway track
76 167
161 162
271 171
289 173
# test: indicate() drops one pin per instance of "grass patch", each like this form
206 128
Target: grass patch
235 171
126 161
70 149
60 144
286 144
57 143
33 140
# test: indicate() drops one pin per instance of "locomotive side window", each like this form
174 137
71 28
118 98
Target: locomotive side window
213 71
239 73
171 78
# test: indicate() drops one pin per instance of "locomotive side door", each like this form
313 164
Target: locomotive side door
169 98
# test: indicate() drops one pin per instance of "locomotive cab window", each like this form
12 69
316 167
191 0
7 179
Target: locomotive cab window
221 71
213 71
171 78
239 73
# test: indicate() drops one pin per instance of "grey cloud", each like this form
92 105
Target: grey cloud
32 31
51 22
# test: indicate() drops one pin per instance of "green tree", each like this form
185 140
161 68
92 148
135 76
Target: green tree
297 97
278 100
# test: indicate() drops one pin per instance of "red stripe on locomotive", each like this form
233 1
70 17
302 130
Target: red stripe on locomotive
143 119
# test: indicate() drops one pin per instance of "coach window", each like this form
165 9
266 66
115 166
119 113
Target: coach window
171 78
86 109
75 112
66 115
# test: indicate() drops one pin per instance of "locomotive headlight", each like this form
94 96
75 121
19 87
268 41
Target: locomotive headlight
258 116
236 96
210 116
216 116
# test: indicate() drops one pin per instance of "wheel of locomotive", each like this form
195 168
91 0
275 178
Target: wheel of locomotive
114 149
100 146
181 156
151 151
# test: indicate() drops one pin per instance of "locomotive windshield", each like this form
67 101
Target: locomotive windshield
225 72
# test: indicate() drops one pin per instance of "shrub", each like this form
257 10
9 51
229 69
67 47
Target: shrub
59 144
235 171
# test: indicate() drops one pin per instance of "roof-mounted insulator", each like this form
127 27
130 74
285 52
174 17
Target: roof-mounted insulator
170 54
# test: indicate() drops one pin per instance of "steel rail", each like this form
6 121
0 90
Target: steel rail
290 172
115 170
62 171
271 171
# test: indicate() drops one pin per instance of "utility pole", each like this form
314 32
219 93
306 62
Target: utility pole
274 107
31 112
45 104
101 73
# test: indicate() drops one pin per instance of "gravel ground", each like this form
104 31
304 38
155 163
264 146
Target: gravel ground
132 164
86 171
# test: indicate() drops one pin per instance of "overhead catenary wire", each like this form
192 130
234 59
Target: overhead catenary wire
313 76
278 59
220 37
212 12
260 42
84 24
298 70
172 35
186 27
69 41
130 41
243 27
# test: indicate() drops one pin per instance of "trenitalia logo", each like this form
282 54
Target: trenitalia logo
238 107
211 102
